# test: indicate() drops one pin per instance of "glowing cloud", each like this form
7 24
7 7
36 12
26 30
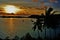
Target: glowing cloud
11 9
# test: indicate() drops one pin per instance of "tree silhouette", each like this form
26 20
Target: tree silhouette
50 20
48 12
37 24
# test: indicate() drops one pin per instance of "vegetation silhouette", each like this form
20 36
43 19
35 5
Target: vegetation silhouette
27 36
37 24
50 21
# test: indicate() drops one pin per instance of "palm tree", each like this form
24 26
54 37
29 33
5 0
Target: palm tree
38 25
38 22
50 20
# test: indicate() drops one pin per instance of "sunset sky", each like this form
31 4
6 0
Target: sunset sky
32 3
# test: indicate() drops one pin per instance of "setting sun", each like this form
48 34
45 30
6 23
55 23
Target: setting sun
11 9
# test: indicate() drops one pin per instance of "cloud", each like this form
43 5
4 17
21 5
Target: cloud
29 2
55 1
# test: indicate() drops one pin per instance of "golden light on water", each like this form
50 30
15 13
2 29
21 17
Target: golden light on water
11 9
11 27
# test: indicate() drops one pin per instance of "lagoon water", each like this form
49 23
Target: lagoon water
14 26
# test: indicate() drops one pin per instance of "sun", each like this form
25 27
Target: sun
11 9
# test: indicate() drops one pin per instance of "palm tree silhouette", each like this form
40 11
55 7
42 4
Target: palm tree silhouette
38 21
37 24
50 20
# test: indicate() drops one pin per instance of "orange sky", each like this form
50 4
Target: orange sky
28 11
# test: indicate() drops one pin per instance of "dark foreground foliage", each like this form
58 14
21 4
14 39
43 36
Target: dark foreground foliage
29 37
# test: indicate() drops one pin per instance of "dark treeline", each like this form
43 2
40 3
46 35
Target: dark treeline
50 21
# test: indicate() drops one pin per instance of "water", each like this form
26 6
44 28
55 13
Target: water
14 26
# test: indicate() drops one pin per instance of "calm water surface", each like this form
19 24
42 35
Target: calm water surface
14 26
